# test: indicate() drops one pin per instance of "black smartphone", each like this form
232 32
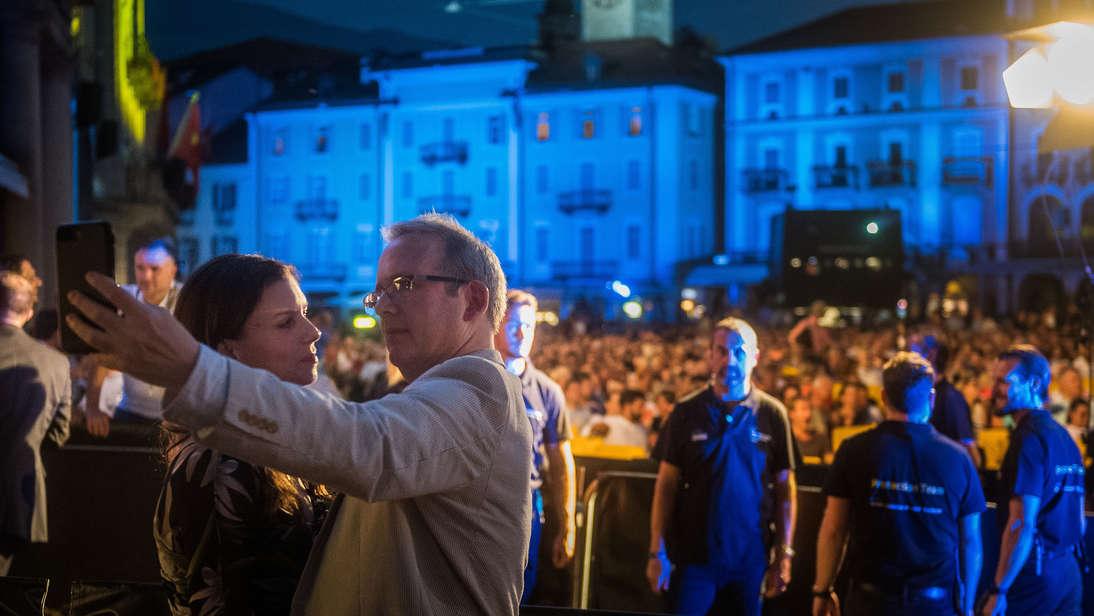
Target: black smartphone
81 247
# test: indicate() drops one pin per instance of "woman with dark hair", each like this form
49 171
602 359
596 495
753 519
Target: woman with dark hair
231 537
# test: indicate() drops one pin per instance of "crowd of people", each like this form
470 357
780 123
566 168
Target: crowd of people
827 379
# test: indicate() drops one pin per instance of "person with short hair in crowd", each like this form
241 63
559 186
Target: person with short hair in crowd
552 457
1041 501
810 441
724 502
233 537
435 506
951 415
35 410
621 425
155 267
910 500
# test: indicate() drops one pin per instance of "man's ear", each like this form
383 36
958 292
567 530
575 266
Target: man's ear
478 299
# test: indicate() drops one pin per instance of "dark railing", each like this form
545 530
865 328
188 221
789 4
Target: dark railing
764 180
320 272
596 200
444 152
1047 170
967 170
1084 168
835 176
315 209
456 205
584 269
884 173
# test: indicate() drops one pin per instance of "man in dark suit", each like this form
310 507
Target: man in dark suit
35 400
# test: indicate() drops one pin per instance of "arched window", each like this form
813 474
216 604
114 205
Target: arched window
1046 212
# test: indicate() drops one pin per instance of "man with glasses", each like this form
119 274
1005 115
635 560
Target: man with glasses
434 517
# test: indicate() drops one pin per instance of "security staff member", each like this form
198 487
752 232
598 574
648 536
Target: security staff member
546 408
726 477
910 499
1041 500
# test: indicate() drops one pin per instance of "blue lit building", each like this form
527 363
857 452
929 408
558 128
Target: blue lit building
902 106
593 163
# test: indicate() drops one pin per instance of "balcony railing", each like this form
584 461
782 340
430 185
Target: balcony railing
323 272
456 205
764 180
316 209
444 152
835 176
594 200
967 170
884 173
600 270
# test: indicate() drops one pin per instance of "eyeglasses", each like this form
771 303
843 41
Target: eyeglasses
401 284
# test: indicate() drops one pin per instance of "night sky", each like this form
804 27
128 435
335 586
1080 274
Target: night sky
181 28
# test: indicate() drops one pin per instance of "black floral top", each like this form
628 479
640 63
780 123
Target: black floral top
249 561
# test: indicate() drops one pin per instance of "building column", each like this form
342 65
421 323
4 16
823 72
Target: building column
21 220
57 163
929 181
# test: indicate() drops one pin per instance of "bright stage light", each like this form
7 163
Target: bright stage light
633 309
1069 61
621 289
364 321
871 228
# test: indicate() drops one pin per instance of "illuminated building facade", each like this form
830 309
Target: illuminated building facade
576 174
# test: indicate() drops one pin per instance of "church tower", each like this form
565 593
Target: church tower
605 20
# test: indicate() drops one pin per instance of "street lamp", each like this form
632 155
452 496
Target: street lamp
1059 67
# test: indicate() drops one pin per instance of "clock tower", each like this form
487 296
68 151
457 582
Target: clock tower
606 20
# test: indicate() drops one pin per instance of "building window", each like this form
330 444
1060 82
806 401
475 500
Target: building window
322 139
634 175
970 86
541 179
693 174
541 243
634 242
366 136
362 248
588 176
408 185
491 181
895 83
588 124
771 158
495 129
841 88
634 124
281 142
408 135
364 186
225 245
771 92
693 119
320 246
224 204
896 153
448 130
543 126
317 187
277 245
189 254
839 156
279 189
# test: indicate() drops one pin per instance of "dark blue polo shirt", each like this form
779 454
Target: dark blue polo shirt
546 408
728 457
951 415
909 486
1043 461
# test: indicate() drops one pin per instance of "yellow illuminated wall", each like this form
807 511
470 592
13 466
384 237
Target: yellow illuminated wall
138 78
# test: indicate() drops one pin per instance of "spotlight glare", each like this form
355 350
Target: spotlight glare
871 228
633 309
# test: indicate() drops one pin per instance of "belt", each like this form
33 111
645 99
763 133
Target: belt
934 593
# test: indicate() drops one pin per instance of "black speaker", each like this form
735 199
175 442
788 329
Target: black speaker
843 257
106 139
89 103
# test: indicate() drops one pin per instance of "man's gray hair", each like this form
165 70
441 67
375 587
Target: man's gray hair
465 255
